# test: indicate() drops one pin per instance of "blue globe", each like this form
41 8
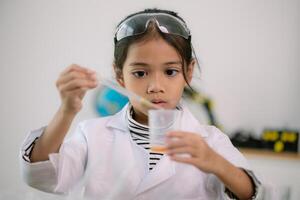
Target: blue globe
109 101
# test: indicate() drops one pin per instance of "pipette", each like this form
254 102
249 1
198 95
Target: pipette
127 93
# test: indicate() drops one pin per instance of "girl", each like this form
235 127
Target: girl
152 58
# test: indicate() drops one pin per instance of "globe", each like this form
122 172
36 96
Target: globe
109 101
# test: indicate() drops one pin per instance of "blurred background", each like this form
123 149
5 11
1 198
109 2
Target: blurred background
249 53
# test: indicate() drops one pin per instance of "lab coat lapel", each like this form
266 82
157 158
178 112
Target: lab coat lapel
125 165
127 169
118 121
164 170
190 124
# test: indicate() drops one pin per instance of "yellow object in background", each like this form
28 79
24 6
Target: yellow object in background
278 146
280 140
288 136
270 135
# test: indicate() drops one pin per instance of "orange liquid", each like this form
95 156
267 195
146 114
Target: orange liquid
158 149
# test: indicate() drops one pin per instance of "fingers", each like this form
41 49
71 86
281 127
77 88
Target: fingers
172 143
179 138
183 143
182 150
178 134
183 159
75 67
190 148
73 84
77 92
75 77
78 84
71 76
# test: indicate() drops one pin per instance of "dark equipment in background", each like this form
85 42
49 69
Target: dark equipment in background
277 140
280 140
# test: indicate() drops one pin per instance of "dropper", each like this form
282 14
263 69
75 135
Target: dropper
127 93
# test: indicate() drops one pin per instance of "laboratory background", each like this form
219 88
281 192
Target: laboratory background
249 53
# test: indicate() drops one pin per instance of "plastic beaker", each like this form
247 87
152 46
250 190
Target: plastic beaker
160 123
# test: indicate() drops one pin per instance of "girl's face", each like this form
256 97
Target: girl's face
153 70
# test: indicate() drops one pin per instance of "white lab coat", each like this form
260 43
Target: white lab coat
118 167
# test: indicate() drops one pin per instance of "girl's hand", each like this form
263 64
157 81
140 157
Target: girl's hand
196 150
72 85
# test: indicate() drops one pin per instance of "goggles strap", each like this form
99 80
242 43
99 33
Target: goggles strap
196 58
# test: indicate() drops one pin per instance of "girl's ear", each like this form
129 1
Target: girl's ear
190 70
119 75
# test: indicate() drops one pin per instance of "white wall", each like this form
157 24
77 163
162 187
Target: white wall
280 176
249 52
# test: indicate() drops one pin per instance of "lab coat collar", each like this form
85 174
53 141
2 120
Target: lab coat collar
164 170
190 124
118 121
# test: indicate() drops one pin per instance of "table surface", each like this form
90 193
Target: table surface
269 153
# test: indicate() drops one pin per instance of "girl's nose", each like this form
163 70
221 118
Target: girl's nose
156 85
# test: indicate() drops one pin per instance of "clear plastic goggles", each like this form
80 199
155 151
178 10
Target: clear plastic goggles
138 24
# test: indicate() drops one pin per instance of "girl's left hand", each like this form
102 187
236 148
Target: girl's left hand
199 153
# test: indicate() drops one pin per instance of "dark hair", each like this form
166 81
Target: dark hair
181 45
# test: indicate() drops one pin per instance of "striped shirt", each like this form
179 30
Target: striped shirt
140 135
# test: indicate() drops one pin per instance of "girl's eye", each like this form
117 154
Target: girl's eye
139 74
171 72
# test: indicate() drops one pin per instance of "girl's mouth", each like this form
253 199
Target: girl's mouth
159 102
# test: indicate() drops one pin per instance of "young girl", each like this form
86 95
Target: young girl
152 58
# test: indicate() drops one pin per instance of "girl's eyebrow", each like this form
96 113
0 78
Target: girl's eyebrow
173 62
146 65
135 64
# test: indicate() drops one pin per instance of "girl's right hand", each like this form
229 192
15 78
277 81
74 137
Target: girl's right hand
72 85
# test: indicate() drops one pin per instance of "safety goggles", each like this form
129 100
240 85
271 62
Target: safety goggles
138 24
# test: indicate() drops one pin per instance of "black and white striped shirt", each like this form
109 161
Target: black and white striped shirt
140 135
